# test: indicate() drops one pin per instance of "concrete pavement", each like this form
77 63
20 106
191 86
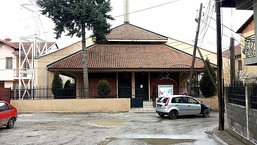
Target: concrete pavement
224 137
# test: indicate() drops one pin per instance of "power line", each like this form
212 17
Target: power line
147 8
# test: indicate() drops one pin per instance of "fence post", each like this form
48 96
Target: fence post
82 93
33 93
248 93
225 106
47 92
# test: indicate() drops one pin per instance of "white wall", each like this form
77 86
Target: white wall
6 74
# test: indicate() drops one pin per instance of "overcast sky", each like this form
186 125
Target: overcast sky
171 18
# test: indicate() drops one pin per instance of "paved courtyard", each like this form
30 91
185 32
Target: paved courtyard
110 129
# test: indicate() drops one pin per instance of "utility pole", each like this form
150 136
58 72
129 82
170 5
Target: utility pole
219 65
232 61
194 51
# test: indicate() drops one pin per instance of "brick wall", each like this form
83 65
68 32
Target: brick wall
249 28
111 78
237 118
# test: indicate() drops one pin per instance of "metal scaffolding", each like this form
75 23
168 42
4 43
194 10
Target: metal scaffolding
30 47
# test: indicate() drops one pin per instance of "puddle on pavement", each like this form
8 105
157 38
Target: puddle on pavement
150 141
108 122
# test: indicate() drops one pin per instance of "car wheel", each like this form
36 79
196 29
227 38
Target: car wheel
10 123
173 114
161 115
206 112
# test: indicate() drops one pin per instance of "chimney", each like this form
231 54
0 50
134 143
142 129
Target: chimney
126 11
8 39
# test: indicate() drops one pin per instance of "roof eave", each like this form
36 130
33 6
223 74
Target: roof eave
239 4
114 40
127 69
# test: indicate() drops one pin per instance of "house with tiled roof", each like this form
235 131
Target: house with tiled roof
248 51
7 63
14 60
137 63
238 62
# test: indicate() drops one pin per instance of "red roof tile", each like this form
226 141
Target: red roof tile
28 44
116 56
9 44
131 32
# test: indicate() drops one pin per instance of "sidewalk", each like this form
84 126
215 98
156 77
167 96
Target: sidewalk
230 137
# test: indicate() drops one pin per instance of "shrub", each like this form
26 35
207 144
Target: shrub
206 85
57 86
103 88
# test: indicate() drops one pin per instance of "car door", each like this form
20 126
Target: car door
4 113
193 106
182 107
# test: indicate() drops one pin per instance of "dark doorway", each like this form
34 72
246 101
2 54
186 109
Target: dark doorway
1 84
141 80
124 85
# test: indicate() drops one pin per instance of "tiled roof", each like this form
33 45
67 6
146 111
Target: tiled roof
226 53
9 44
129 32
115 56
28 44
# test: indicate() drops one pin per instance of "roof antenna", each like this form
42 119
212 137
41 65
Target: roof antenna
126 11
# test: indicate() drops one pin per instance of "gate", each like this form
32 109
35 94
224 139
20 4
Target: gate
5 94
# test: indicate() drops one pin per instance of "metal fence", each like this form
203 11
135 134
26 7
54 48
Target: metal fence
46 93
253 97
75 93
68 93
237 94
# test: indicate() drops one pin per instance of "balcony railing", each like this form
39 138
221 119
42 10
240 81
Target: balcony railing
249 49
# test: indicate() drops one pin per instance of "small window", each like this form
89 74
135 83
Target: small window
27 65
239 65
16 86
8 62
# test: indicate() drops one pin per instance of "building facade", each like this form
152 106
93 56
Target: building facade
137 63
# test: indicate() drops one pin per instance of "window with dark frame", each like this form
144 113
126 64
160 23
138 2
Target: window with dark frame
8 62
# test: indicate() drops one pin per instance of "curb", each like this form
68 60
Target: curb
216 138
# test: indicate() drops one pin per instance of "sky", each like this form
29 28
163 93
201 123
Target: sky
171 18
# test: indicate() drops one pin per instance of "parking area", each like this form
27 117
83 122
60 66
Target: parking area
110 129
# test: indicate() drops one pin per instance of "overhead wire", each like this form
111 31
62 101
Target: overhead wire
207 20
146 8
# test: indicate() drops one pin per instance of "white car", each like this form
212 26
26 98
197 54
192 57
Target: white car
177 105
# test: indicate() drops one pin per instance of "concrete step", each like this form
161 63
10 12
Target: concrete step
142 110
148 104
147 107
